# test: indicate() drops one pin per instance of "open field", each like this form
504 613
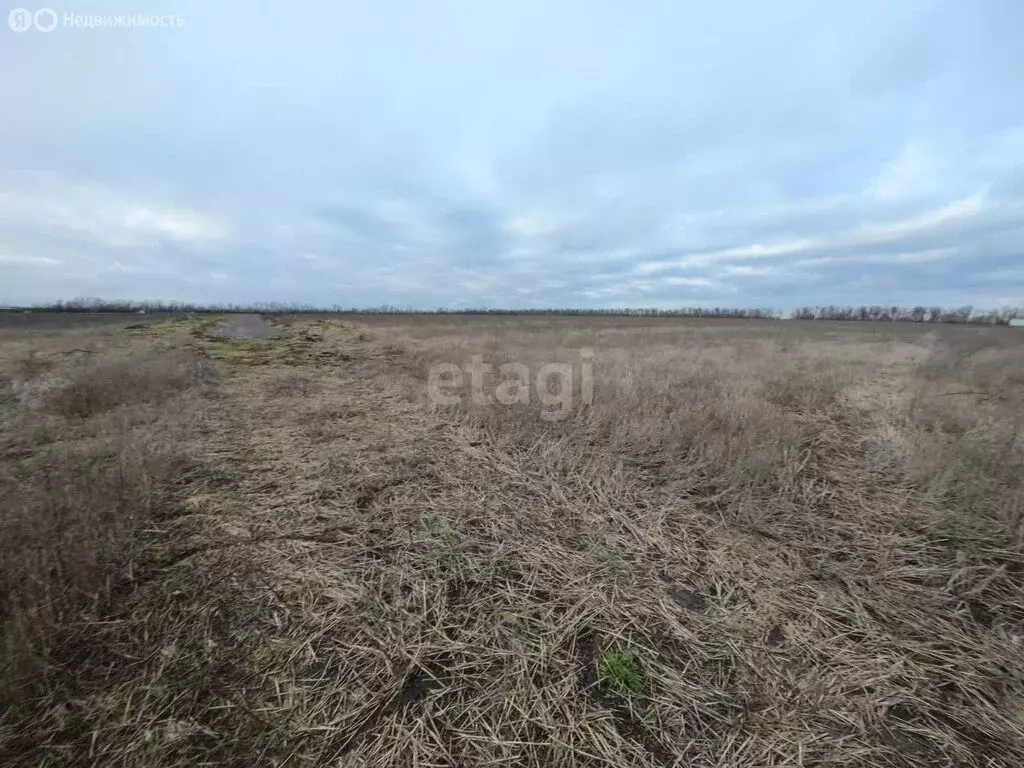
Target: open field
696 543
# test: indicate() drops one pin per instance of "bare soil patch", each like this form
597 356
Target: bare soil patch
246 327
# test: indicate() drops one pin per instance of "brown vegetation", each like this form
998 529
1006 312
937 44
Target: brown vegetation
761 543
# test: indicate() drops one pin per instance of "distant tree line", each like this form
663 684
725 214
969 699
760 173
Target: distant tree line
918 314
106 305
90 304
876 312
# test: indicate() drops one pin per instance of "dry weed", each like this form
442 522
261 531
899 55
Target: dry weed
88 449
760 544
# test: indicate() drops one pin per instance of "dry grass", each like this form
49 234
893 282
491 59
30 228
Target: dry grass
87 450
760 544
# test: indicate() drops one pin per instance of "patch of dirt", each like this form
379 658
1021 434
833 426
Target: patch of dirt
246 327
687 599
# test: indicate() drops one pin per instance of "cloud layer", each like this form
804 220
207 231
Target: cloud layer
529 154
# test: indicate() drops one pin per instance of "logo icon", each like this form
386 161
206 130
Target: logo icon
20 20
45 19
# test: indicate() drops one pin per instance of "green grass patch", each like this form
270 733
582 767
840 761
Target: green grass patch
619 672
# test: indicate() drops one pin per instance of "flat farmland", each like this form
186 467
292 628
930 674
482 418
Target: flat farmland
392 540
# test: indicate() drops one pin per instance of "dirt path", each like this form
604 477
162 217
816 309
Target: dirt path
247 327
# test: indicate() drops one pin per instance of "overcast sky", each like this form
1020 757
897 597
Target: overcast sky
518 153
